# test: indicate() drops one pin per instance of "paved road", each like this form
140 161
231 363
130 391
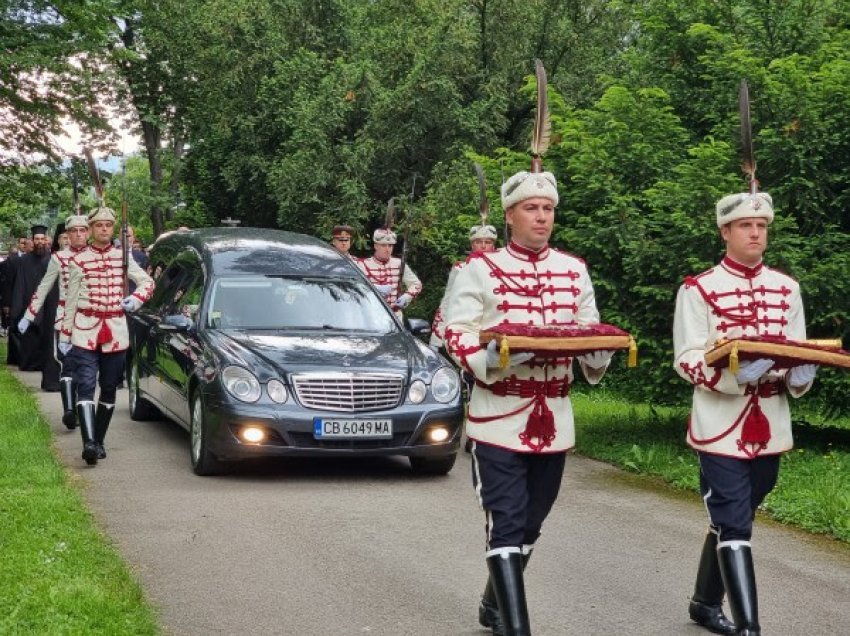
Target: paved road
343 548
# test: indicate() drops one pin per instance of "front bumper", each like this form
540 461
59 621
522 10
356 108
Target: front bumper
289 431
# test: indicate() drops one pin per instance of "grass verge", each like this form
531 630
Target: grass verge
58 574
814 481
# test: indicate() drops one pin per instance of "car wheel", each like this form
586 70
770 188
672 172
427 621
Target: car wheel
433 465
140 408
203 461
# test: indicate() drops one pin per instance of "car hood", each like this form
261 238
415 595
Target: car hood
280 354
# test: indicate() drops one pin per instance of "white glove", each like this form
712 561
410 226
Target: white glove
131 304
385 290
402 301
752 370
24 324
596 359
65 348
802 375
493 357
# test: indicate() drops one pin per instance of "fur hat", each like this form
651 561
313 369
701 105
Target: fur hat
101 214
477 232
528 185
76 220
340 230
743 206
384 236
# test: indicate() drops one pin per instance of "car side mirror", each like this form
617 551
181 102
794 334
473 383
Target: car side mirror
419 327
176 322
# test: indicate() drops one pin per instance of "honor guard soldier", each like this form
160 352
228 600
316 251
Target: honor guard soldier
740 422
77 231
383 269
341 237
94 329
482 238
520 418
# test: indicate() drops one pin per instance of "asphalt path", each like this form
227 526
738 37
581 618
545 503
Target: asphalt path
365 547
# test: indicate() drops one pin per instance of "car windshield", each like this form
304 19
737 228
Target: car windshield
281 302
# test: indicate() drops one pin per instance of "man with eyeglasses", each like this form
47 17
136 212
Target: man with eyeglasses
341 237
32 348
7 277
520 418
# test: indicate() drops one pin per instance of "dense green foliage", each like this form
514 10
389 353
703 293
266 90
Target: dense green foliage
302 115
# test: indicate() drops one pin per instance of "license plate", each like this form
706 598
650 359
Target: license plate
327 428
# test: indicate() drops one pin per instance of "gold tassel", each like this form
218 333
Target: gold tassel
734 367
632 352
504 353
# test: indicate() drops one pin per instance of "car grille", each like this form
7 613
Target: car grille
348 392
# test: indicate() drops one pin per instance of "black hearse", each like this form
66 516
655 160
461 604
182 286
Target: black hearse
267 343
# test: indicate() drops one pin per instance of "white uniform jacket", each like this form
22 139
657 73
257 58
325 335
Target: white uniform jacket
57 269
525 408
731 301
438 327
387 274
93 313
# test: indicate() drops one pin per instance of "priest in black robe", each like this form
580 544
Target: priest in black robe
36 345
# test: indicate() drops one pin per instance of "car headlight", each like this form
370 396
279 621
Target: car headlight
445 385
417 391
241 384
277 391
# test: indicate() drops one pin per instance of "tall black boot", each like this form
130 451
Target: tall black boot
739 577
101 425
85 416
506 578
706 607
488 608
66 390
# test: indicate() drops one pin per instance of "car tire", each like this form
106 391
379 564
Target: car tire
140 409
204 463
433 465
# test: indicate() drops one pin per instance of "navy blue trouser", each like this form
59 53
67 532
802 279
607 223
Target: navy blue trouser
92 367
733 489
66 362
516 491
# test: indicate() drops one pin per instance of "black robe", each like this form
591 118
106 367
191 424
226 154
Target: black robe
6 274
36 345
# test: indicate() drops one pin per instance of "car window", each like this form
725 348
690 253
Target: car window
279 302
173 284
166 287
188 298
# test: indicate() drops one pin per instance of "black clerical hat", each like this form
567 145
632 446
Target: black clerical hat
38 229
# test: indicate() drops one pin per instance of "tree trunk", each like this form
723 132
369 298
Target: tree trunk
151 135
